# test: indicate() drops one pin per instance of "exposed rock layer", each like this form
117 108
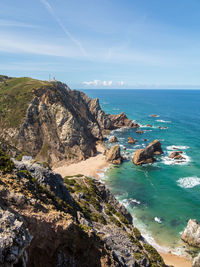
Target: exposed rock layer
191 234
144 156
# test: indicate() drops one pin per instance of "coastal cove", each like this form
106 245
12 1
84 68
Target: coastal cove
166 190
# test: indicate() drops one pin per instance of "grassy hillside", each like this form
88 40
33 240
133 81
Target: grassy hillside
15 95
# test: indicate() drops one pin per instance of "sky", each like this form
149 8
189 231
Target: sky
140 44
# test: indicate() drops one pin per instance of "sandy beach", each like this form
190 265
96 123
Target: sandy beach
90 167
94 166
176 261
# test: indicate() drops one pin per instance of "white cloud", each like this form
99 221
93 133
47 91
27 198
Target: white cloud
103 83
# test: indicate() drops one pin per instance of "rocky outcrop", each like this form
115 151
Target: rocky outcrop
139 132
53 123
153 115
92 230
176 155
145 156
14 240
191 234
114 155
113 139
196 261
131 140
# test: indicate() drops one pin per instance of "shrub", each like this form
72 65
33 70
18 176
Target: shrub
137 233
6 165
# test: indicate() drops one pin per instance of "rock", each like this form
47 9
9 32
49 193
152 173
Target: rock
14 240
114 156
176 155
191 234
149 125
153 115
160 127
113 139
45 177
121 120
139 132
196 261
144 140
144 156
131 140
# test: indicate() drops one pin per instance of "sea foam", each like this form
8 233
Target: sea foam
163 121
189 182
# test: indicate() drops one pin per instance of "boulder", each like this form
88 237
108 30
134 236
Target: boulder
139 132
191 234
149 125
196 261
176 155
131 140
153 115
113 139
114 156
144 156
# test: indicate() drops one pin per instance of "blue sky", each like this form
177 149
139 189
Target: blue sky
103 43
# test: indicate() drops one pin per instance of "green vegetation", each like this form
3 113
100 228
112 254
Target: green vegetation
6 165
115 221
15 95
153 255
136 233
19 157
135 241
122 218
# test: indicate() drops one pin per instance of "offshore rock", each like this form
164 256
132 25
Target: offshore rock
114 156
191 234
131 140
145 156
113 139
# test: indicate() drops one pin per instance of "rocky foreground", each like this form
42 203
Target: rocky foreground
50 221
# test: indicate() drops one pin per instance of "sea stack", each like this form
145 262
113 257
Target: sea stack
114 155
144 156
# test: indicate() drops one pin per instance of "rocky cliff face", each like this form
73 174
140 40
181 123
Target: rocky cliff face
191 234
50 122
73 221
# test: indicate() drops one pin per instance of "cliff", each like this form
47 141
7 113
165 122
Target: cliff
50 122
75 221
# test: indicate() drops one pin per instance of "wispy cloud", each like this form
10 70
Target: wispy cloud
65 30
12 23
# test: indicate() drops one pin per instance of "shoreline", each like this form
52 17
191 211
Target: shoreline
95 166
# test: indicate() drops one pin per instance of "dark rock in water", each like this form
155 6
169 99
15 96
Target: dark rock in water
191 234
114 139
139 132
144 140
149 125
144 156
174 222
114 156
131 140
160 127
176 155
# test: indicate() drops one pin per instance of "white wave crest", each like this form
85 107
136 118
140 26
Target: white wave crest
163 121
189 182
168 161
158 220
173 147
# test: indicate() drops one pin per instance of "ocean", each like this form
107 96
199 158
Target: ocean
161 197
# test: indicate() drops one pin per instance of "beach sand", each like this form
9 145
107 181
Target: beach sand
94 166
89 167
176 261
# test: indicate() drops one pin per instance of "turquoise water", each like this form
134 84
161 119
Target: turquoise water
167 190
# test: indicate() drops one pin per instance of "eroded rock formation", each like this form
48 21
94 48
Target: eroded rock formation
145 156
191 234
114 155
